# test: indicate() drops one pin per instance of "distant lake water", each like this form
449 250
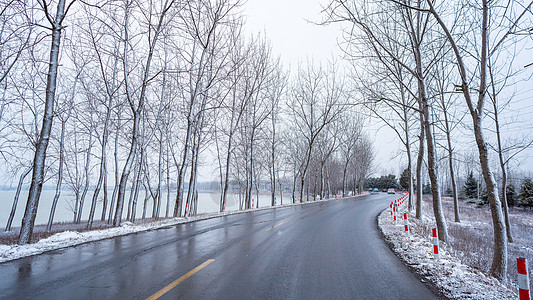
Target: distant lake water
207 203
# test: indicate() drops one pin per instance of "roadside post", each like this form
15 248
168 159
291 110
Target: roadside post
435 244
406 223
523 279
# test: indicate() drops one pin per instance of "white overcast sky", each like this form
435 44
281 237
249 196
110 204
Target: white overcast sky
285 23
288 24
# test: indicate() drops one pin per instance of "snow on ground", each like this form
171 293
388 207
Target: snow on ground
453 279
73 238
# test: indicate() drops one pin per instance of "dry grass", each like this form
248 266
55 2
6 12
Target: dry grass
471 241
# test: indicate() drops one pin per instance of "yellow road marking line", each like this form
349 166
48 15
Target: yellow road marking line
174 283
274 226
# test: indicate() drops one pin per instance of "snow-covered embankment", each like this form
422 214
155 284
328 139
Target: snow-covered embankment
454 279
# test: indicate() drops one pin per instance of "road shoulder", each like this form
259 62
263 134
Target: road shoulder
446 277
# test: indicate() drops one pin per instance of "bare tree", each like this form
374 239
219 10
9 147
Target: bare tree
137 105
507 13
350 137
15 36
64 114
506 150
400 43
317 100
107 66
202 20
56 23
235 110
446 103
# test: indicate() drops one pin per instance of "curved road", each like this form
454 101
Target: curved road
324 250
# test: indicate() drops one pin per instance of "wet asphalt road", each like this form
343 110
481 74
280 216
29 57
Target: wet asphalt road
325 250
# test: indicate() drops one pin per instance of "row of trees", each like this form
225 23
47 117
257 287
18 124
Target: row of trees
522 197
123 98
427 68
385 182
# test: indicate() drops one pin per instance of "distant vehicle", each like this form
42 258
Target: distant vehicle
375 191
391 191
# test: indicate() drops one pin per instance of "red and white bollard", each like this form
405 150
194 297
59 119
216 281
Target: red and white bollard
395 209
275 201
391 209
406 223
252 203
523 279
435 243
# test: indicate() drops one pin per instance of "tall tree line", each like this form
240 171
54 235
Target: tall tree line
120 103
434 65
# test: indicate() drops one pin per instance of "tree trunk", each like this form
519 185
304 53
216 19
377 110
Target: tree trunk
146 197
502 161
136 183
106 198
302 184
126 173
167 210
505 207
103 170
434 178
407 149
432 152
59 176
226 171
137 111
499 262
115 188
280 189
273 158
136 171
178 208
344 172
16 198
157 208
295 177
452 171
87 176
39 159
498 267
419 162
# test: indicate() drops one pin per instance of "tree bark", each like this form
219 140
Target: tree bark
137 111
59 176
39 159
87 175
419 162
117 176
433 177
502 161
450 162
498 267
16 198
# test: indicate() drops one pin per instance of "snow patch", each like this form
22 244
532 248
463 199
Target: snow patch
454 279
